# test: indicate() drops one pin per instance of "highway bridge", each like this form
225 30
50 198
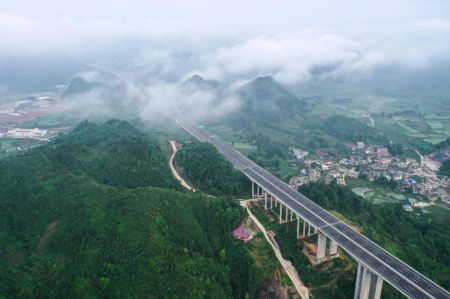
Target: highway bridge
375 264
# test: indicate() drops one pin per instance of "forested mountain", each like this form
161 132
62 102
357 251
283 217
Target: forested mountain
101 95
264 100
97 214
208 170
197 82
79 85
112 153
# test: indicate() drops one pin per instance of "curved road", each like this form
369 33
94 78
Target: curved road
174 171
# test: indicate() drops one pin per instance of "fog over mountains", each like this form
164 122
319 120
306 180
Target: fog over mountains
169 52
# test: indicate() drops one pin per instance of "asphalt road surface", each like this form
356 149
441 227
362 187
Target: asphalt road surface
401 276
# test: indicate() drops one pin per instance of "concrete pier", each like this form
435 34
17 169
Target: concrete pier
286 215
265 200
368 284
281 213
304 228
321 247
333 247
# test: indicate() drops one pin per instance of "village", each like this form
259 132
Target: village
372 163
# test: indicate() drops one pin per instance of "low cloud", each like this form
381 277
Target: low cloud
224 43
119 97
199 104
33 36
300 58
290 57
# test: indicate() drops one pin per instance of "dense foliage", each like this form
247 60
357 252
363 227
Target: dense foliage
208 170
445 168
267 147
352 130
112 153
78 220
269 153
419 240
443 144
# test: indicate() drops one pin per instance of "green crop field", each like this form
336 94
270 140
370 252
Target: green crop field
408 128
435 140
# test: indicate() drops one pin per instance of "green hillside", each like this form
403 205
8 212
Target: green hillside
264 100
208 170
97 214
79 85
352 130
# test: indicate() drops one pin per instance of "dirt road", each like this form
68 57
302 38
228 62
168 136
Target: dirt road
287 266
174 171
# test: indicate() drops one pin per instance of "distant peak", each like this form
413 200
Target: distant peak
196 77
198 81
264 79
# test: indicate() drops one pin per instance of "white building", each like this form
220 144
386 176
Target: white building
26 133
299 154
407 207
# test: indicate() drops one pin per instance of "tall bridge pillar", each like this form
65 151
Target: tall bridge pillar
368 284
286 215
265 200
281 214
321 246
304 228
333 247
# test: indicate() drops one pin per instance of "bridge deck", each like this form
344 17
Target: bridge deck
404 278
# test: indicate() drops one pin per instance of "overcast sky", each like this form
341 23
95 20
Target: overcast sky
249 15
284 38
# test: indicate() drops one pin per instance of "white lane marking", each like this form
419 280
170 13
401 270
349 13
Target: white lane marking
351 240
340 233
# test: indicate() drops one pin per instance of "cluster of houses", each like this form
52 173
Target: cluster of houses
370 162
375 161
